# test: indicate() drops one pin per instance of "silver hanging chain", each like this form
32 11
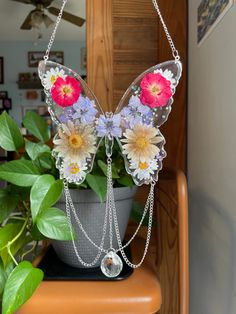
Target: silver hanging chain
175 52
69 205
111 215
147 239
110 184
150 202
52 38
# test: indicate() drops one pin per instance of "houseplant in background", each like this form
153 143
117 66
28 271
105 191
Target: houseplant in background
27 212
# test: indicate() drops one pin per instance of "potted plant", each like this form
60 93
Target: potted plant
27 204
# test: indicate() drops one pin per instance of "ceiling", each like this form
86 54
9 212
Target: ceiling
12 15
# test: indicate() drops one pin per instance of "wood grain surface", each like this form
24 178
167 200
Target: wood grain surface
167 248
175 129
100 50
135 38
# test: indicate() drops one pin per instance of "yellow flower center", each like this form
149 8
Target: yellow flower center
53 79
142 142
143 165
75 141
66 90
74 168
155 89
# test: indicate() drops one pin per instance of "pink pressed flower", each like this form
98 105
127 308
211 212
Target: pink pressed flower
65 92
156 90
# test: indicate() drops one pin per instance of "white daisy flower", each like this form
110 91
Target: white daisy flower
144 170
73 172
75 141
51 76
141 143
168 75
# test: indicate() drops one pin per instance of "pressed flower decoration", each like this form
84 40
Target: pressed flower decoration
51 77
73 171
65 92
109 126
135 113
85 110
144 170
167 74
156 90
68 114
135 124
75 141
140 143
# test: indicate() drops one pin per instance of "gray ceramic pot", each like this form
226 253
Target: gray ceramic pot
91 213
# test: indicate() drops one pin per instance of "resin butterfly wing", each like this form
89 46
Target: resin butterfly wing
74 108
144 107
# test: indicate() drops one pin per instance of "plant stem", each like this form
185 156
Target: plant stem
8 245
17 154
29 251
16 218
20 233
12 257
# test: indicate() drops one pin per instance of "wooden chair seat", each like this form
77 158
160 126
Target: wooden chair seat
140 293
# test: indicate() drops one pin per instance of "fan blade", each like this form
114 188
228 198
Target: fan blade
27 22
47 21
45 3
79 21
24 1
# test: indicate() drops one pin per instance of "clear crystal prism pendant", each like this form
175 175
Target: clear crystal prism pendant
111 265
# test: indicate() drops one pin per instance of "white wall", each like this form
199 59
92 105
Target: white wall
212 166
15 55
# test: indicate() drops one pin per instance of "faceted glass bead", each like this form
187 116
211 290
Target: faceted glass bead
111 265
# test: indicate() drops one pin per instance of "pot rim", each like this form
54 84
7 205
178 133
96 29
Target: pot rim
89 196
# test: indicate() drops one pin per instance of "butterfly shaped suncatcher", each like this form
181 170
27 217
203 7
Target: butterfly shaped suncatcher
82 125
135 124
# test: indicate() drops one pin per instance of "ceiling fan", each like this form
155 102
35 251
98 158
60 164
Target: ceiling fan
38 16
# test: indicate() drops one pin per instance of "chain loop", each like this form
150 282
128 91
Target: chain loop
121 248
69 205
175 52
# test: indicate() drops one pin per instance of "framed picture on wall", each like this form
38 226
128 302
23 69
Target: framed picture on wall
7 103
3 94
1 71
210 14
35 56
25 109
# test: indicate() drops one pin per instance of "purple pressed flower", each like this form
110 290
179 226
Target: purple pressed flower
67 115
136 113
148 118
84 110
161 156
109 126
